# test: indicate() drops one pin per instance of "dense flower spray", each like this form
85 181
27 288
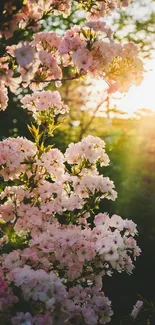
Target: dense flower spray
55 246
87 50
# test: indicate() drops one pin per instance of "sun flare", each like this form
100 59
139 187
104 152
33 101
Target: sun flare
140 96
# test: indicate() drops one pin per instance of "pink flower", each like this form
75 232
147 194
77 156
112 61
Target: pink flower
101 219
24 54
126 3
13 152
116 222
83 59
100 26
7 299
136 308
44 100
47 41
3 96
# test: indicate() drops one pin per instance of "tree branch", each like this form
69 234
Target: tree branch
77 76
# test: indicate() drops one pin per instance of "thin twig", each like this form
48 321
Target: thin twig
77 76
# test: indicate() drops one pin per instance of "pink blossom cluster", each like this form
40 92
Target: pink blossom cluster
38 285
3 97
117 64
47 41
31 12
100 26
83 50
99 8
51 211
13 154
7 80
75 248
90 149
63 191
45 100
92 303
38 61
46 45
27 319
7 299
81 304
87 50
71 247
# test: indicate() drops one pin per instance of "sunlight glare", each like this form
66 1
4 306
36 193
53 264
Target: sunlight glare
140 96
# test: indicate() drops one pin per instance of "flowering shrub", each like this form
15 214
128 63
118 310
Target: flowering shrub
55 246
55 249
